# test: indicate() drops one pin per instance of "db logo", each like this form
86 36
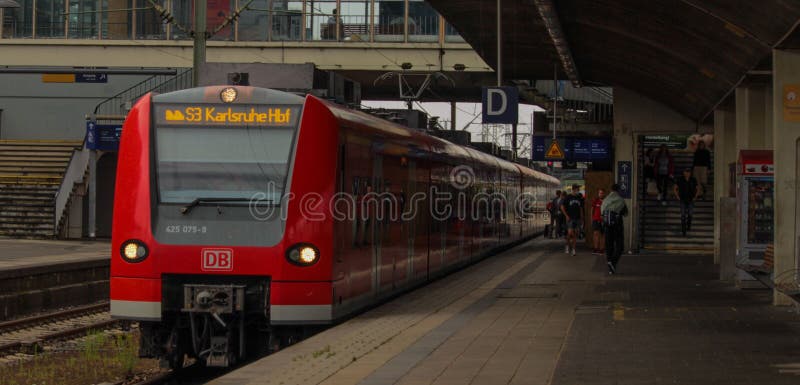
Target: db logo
217 259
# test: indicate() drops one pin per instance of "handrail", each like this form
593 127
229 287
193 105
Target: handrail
114 104
76 169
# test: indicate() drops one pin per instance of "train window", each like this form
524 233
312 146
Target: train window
222 162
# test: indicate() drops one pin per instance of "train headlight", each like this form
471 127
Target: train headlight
303 254
228 95
133 251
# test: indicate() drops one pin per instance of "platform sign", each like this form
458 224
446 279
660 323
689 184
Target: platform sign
554 151
91 78
624 175
575 149
500 105
103 137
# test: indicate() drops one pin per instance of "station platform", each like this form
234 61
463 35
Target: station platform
24 253
534 315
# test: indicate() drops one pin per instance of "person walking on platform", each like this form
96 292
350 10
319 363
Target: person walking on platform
664 168
572 209
612 211
555 212
687 191
598 242
700 165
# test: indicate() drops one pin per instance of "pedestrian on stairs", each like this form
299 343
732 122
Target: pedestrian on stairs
687 191
700 165
612 210
664 167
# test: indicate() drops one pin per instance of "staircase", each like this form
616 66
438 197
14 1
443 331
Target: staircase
30 175
660 225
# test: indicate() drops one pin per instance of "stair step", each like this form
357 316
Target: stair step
29 226
18 214
680 240
16 192
4 186
23 233
26 220
32 169
35 154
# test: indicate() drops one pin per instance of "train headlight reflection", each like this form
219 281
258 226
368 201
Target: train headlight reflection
133 251
304 254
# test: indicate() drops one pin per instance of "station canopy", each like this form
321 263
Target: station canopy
687 54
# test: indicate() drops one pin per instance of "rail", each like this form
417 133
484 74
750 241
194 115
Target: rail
76 170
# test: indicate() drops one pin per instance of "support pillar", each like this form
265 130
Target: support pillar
751 102
786 136
724 154
92 191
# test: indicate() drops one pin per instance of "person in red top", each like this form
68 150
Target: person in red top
598 239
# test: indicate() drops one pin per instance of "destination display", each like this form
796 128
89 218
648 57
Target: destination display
228 115
575 149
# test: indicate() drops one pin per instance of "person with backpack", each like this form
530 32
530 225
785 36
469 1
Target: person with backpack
612 210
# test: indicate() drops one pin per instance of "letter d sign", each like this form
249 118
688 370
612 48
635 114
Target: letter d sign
500 105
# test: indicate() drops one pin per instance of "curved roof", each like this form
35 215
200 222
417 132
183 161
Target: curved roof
687 54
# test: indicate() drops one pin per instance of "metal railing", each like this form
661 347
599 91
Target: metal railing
76 170
118 105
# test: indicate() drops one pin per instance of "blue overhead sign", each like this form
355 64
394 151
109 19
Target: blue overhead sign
103 137
500 105
576 149
91 78
624 175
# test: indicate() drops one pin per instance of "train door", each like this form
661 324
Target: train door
394 255
376 220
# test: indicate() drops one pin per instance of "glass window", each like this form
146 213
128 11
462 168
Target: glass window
149 25
389 20
229 162
218 12
423 22
253 21
83 18
286 19
50 18
18 22
355 17
182 11
116 19
451 35
321 20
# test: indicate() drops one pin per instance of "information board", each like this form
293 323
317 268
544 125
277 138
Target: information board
576 149
103 137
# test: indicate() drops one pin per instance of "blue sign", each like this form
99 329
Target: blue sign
624 178
576 149
500 105
91 78
103 137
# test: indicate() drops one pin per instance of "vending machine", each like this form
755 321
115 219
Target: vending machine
755 196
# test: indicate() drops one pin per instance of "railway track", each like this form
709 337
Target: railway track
30 334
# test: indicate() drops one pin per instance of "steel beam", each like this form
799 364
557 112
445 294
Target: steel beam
547 10
74 70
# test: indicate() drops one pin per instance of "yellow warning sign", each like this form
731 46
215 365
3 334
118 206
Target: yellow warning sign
555 151
791 103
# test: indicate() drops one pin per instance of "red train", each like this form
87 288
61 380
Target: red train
243 215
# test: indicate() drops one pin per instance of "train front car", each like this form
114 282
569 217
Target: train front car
210 253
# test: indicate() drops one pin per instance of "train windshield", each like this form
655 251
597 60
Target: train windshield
238 162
